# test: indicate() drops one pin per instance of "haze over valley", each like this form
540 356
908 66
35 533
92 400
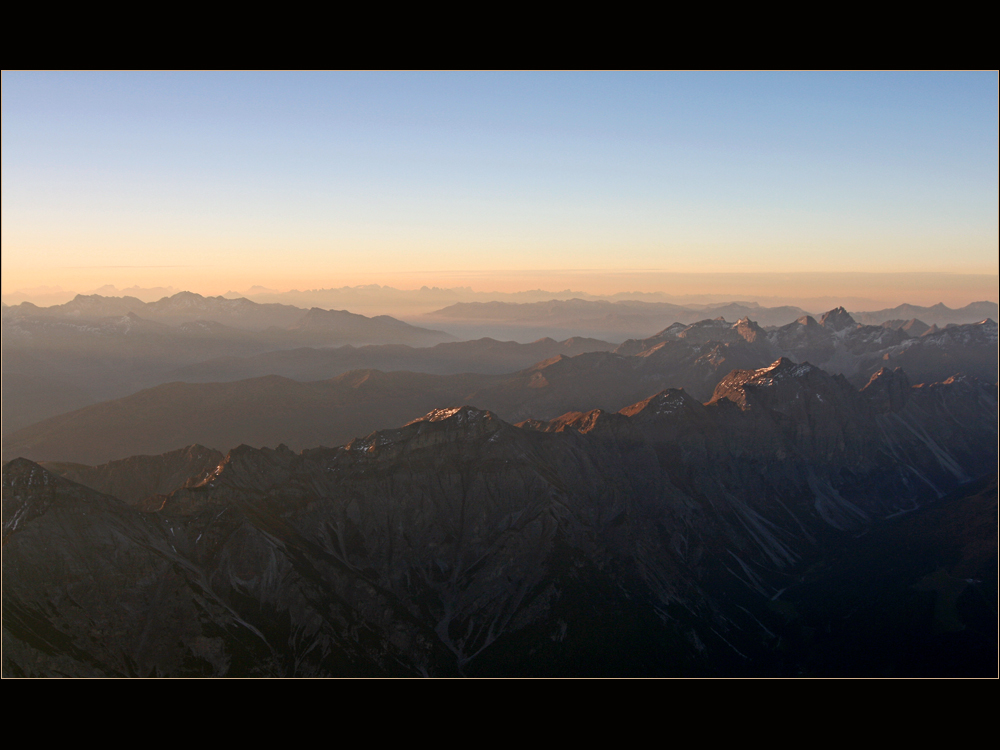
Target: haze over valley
180 376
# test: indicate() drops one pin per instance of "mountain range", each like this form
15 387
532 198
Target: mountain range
715 499
97 348
939 314
790 525
272 410
617 320
188 307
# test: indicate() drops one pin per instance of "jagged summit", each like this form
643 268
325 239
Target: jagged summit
22 472
672 329
668 401
838 319
459 414
779 383
915 327
579 421
964 335
749 330
781 368
436 428
786 368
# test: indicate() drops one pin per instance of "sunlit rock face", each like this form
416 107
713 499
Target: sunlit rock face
670 538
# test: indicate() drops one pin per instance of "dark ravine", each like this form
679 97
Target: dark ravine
671 538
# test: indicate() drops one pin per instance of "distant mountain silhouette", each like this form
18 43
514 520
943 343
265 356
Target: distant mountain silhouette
237 313
95 348
626 318
938 314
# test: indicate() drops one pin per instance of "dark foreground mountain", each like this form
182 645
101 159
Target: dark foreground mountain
673 538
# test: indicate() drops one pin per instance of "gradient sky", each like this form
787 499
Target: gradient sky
217 181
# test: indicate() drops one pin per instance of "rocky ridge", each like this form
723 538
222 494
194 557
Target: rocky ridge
695 357
653 540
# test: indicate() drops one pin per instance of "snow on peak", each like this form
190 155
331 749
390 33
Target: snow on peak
461 414
437 415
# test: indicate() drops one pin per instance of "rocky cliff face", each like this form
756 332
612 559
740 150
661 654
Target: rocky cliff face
664 539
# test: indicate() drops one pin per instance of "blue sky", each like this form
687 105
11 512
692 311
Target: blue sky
218 181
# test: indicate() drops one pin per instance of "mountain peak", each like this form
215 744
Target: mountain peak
748 329
460 415
784 367
579 421
668 401
22 472
436 428
838 319
672 330
736 385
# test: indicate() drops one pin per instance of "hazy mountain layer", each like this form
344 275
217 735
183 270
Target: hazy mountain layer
601 318
58 359
55 359
30 397
183 307
635 319
187 307
373 298
274 410
674 538
486 356
939 314
253 411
